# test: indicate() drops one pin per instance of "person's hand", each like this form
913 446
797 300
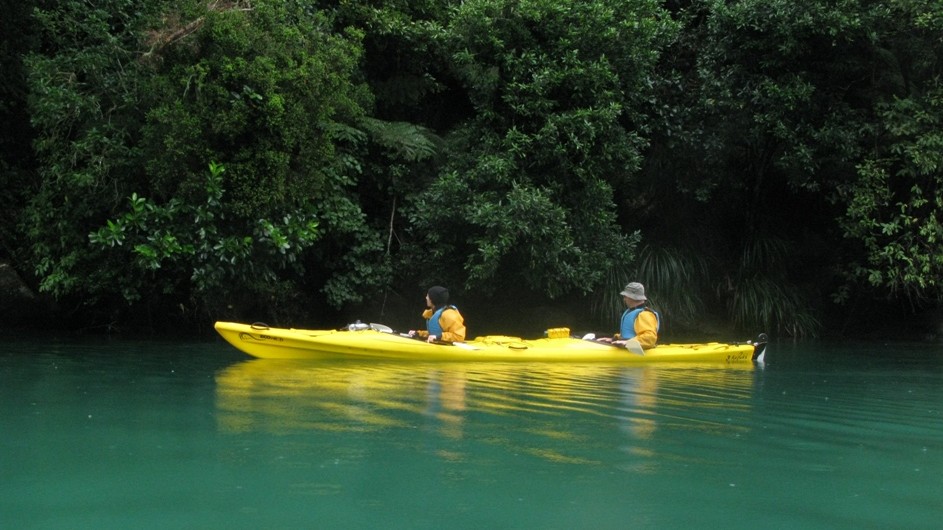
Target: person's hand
432 338
617 342
604 339
411 333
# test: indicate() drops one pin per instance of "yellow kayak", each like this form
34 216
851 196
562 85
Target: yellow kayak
376 341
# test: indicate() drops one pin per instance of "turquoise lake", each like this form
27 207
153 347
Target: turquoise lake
153 434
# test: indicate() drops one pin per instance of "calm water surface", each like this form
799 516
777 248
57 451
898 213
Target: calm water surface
119 434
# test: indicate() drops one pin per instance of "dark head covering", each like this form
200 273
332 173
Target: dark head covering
438 295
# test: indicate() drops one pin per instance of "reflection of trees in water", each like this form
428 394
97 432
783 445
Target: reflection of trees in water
550 411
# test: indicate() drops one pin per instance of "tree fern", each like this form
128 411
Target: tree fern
405 141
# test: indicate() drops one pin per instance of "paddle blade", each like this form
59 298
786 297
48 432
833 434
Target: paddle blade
633 346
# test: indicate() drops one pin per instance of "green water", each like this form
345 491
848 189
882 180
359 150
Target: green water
116 434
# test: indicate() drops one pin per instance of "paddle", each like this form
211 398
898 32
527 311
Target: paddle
361 326
383 328
631 344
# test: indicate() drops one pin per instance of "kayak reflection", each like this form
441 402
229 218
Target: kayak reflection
564 403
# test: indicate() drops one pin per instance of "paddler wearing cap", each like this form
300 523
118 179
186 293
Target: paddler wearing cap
638 322
443 321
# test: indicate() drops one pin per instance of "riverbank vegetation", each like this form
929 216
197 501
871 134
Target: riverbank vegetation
771 165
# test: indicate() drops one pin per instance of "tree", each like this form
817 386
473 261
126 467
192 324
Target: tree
17 37
133 103
894 208
763 107
525 201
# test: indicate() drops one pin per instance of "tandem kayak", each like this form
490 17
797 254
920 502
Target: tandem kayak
376 341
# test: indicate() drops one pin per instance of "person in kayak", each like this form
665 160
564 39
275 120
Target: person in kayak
443 321
638 321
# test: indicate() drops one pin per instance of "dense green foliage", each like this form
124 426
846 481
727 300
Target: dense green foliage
16 159
764 164
143 108
893 207
556 90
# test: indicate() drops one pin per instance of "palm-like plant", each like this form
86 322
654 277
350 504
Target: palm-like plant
675 278
761 295
674 281
754 290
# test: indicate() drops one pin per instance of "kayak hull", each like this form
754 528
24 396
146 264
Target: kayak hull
267 342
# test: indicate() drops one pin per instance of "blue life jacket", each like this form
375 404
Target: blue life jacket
627 326
433 323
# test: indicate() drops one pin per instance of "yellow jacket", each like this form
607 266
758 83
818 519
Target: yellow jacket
453 325
646 329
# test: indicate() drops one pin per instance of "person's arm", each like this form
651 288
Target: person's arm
646 329
453 326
